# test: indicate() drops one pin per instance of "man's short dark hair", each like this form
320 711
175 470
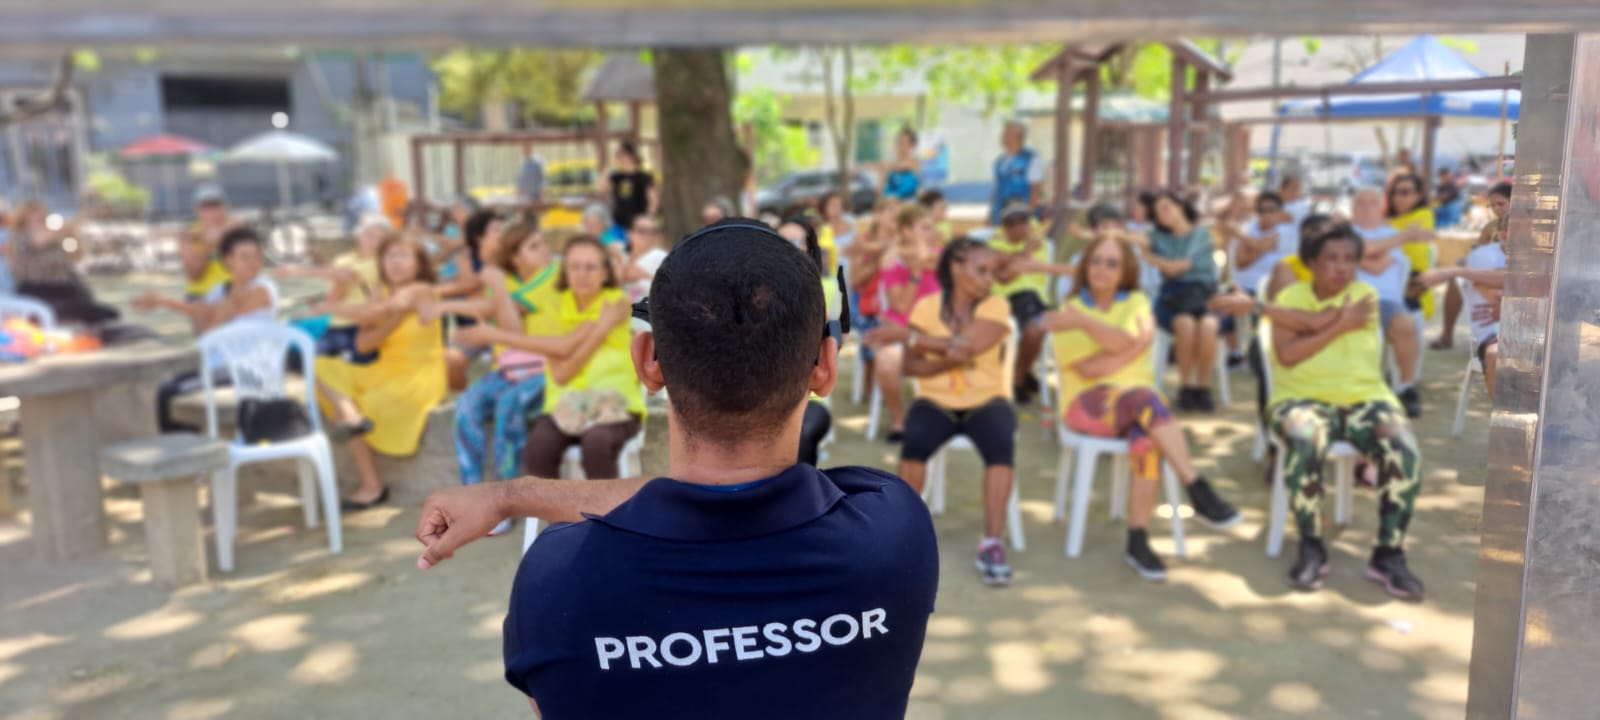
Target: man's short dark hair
1269 196
738 316
241 235
1322 232
1503 189
1103 212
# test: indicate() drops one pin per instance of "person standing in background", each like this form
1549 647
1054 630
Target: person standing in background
1018 173
640 268
631 188
902 178
530 180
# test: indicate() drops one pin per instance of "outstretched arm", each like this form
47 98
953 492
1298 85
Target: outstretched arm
453 517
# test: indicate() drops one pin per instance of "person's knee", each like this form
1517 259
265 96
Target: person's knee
1209 326
1491 357
1183 324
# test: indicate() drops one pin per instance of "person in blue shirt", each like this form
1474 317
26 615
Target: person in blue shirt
903 177
1018 173
741 584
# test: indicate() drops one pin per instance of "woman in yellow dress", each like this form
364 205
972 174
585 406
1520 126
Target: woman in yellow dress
1408 212
397 390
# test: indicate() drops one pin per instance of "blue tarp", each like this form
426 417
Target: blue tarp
1422 59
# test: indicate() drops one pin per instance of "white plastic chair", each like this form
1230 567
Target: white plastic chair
933 491
1343 454
1162 346
255 355
1079 456
1474 367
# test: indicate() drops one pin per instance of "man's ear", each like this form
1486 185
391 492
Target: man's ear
826 372
644 361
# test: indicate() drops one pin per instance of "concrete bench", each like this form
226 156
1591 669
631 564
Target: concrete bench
166 468
409 478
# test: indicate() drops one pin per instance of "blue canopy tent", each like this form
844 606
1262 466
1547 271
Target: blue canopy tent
1423 60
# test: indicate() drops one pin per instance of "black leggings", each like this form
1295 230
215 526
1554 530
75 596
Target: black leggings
183 383
812 430
992 427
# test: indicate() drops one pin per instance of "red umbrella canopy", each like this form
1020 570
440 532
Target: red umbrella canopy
164 145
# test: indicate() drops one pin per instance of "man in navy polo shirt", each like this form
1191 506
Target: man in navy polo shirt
742 584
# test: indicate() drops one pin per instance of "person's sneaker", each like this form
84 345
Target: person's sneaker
992 564
1142 559
1411 401
1235 361
1203 401
1211 509
1021 394
895 436
1311 567
1388 568
1185 399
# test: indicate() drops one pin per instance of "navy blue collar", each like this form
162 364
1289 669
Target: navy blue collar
672 510
1088 300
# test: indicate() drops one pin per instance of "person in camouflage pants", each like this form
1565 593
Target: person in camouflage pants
1377 430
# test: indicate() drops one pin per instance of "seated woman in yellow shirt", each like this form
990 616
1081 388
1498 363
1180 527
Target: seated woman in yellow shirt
1408 212
953 350
592 395
1328 385
353 281
1102 337
407 380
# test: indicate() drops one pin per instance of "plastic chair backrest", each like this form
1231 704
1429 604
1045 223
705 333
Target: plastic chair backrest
255 354
29 309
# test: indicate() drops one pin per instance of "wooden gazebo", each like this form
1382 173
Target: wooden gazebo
1081 62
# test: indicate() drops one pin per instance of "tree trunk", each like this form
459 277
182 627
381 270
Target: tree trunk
701 157
841 127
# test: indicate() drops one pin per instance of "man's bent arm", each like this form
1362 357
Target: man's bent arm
453 517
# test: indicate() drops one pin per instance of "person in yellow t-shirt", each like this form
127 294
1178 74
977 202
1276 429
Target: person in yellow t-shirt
1022 251
954 348
592 395
1102 336
354 281
388 400
1408 212
1328 386
198 250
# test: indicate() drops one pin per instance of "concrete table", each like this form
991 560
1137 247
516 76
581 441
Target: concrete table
60 441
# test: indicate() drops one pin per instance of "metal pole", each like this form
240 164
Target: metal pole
1277 78
1500 153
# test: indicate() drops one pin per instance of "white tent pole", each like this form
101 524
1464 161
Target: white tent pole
284 196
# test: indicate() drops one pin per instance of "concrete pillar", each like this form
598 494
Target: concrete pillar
1536 645
172 532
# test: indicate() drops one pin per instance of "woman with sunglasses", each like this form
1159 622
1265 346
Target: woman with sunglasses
1102 337
1407 209
954 351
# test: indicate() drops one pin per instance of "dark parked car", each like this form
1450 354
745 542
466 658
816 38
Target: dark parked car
806 186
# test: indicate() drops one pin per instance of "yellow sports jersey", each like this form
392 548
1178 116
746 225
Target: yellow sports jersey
1029 281
982 379
611 365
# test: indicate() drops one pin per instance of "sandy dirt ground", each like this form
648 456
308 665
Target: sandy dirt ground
296 632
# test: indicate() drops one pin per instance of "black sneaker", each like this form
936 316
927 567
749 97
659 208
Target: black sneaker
1185 399
1388 568
1142 559
992 565
894 436
1022 394
1235 361
1211 509
1203 401
1411 401
1311 567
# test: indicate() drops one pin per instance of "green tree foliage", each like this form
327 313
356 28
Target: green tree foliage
780 147
543 84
